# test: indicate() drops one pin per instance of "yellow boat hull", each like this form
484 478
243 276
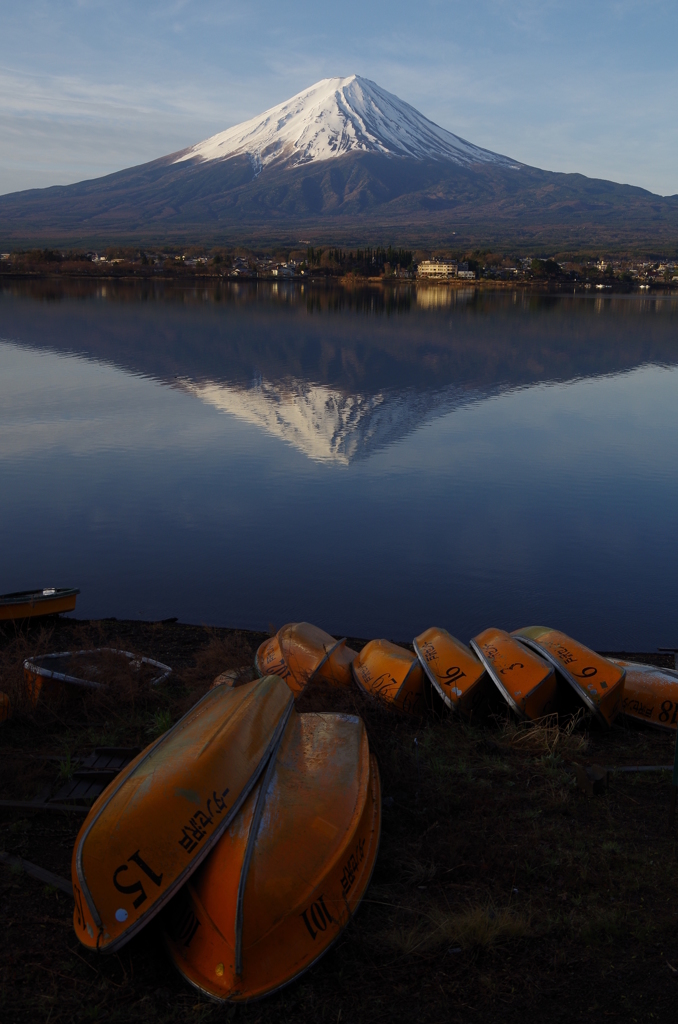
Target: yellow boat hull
595 680
33 604
453 669
152 827
391 674
650 694
300 653
290 871
526 682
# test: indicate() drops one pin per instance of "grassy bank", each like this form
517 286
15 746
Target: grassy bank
501 891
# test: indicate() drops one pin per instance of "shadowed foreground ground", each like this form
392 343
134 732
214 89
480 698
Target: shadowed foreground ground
501 891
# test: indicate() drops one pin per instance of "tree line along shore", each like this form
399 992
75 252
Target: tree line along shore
353 267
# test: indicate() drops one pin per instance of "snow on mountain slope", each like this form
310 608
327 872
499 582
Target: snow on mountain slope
325 423
337 116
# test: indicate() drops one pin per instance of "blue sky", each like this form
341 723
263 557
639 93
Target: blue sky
88 87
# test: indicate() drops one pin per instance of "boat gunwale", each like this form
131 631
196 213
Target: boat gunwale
499 684
389 702
32 597
276 636
155 908
374 786
668 730
45 673
568 677
433 679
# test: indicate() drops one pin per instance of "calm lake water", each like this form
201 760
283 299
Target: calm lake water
249 456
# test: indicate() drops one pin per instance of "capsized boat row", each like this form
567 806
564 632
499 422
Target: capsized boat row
537 670
256 827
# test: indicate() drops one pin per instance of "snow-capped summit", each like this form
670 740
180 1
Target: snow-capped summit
334 117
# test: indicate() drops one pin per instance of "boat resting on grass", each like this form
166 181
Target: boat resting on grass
526 682
30 604
51 675
595 680
454 670
301 653
288 874
161 816
392 674
650 694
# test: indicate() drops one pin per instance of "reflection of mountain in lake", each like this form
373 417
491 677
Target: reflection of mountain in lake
323 423
338 374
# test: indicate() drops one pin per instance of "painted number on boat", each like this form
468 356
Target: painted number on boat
667 707
136 887
317 917
453 673
509 668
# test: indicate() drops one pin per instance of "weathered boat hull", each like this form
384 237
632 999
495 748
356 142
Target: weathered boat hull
290 871
152 827
455 672
301 652
29 604
650 694
595 680
526 682
391 674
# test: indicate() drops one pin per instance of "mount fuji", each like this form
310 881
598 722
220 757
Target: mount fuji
335 117
342 161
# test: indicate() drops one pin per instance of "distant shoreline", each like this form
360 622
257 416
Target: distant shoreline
348 282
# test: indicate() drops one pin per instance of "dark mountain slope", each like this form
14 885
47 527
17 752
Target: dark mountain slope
389 197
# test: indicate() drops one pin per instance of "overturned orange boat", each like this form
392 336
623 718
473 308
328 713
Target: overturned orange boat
650 694
391 673
595 680
291 869
160 817
300 653
453 669
526 682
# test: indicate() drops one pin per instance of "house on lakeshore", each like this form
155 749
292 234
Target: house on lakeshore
437 269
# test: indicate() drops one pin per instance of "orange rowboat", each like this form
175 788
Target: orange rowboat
392 674
29 604
650 694
300 653
291 869
525 681
455 672
155 823
595 680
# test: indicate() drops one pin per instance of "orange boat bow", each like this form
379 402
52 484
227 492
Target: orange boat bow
455 672
392 674
598 682
300 653
527 682
650 694
154 824
289 872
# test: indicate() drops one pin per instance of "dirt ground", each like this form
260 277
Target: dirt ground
502 891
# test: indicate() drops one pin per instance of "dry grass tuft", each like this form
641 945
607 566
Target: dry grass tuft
475 927
546 736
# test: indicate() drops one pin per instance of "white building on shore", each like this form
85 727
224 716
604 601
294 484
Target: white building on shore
438 269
